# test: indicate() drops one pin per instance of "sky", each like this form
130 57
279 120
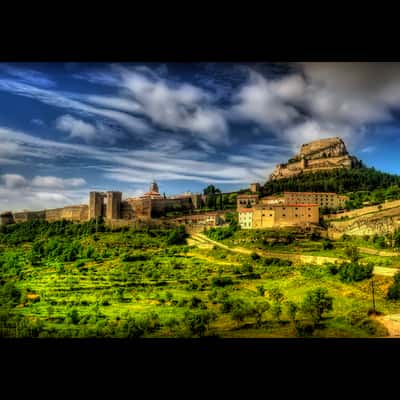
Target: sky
70 128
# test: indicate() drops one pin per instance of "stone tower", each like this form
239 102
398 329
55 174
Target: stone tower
113 210
96 205
154 187
6 218
255 187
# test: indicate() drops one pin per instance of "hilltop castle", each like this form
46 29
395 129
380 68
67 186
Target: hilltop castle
319 155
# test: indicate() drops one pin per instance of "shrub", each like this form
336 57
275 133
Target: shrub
221 281
327 244
316 302
259 308
292 309
195 302
261 290
240 310
354 272
73 316
198 323
393 292
79 264
276 310
255 256
304 329
333 269
353 253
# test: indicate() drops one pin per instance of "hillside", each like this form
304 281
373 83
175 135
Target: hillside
337 180
64 280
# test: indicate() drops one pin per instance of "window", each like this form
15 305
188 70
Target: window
309 215
296 215
270 215
283 215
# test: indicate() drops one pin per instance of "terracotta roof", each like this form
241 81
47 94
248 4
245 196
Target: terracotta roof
247 195
242 210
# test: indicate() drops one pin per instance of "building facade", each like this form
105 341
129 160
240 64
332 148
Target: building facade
278 215
246 200
245 218
323 199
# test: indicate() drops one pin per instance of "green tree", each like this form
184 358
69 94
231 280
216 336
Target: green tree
259 308
316 302
393 292
353 253
292 309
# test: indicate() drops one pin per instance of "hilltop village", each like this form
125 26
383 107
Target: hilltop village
254 210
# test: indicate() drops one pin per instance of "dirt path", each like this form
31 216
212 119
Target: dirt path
392 324
203 241
381 253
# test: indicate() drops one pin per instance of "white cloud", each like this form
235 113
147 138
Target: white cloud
13 181
263 102
76 127
135 126
177 107
57 183
18 193
320 100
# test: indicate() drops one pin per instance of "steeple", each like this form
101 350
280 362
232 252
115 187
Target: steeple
154 187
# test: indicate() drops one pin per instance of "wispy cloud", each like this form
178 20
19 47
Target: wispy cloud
28 75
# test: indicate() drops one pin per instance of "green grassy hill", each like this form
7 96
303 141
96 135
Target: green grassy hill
67 280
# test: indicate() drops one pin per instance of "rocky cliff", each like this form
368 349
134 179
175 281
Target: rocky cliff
319 155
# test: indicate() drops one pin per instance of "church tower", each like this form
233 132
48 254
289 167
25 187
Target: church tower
154 187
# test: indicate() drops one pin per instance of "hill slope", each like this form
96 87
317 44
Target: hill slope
338 180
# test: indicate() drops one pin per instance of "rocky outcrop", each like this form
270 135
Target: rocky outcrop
319 155
381 223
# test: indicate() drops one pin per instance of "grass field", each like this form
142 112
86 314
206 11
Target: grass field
136 284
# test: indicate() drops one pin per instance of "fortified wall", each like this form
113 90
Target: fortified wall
110 206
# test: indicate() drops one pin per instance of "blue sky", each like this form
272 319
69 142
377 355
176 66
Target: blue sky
69 128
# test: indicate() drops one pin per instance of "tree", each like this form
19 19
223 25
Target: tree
211 189
316 302
259 308
292 309
198 322
276 295
276 310
394 290
353 253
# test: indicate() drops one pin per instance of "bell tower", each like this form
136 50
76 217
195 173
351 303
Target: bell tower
154 187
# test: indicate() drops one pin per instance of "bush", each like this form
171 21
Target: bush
316 302
393 292
327 244
354 272
304 329
198 323
72 316
353 253
221 281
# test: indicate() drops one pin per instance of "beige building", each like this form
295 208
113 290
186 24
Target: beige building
245 218
278 215
246 200
323 199
255 187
